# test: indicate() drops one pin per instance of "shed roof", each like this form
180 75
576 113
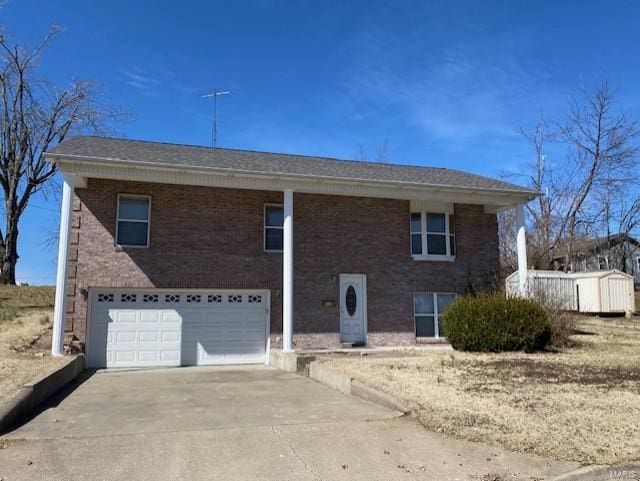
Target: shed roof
599 274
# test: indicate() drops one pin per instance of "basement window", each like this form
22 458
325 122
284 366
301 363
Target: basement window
428 308
132 226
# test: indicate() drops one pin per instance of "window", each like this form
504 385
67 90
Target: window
637 264
602 263
273 231
428 308
432 235
132 227
416 234
436 234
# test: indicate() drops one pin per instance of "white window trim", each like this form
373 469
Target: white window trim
448 257
265 226
436 314
148 221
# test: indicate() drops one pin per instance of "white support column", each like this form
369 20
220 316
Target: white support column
287 274
522 251
66 210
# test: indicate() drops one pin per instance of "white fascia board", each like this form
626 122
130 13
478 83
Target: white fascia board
304 184
496 208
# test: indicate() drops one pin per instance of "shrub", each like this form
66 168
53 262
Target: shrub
563 325
494 323
563 322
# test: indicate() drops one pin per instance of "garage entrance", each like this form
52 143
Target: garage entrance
176 327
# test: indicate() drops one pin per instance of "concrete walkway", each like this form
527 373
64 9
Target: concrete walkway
238 424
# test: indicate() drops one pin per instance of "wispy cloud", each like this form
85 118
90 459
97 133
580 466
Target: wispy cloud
142 79
466 90
150 80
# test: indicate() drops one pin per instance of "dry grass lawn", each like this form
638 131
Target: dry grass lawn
25 337
27 296
582 404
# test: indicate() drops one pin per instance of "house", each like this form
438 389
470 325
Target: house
617 252
178 255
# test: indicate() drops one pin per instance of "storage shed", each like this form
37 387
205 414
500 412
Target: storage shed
605 292
549 287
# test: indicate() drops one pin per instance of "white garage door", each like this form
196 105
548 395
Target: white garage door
133 328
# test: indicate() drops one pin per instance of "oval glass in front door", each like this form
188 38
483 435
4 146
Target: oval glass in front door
351 300
353 309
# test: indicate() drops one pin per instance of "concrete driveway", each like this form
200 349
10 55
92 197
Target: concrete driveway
237 424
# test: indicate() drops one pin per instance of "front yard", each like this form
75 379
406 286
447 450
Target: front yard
582 404
25 337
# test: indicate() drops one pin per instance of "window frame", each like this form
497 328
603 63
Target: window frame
414 233
448 234
605 261
148 221
265 226
436 314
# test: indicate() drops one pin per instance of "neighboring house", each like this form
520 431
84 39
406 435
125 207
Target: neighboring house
176 255
620 252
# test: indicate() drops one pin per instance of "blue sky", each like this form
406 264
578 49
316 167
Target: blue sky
445 83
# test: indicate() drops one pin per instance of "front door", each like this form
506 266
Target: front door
353 308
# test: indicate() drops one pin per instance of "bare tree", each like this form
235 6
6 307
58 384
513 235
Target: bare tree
34 116
507 243
544 174
382 153
543 237
619 219
602 152
582 191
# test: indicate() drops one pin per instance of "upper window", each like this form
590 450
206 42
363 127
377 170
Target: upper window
428 308
273 230
132 228
432 235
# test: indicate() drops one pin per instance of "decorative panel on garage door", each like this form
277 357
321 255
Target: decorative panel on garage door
133 328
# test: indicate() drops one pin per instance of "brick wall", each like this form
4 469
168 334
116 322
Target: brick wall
213 238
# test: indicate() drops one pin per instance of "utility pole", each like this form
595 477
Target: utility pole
214 127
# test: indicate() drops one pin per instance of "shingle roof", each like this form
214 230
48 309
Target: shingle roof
587 246
196 157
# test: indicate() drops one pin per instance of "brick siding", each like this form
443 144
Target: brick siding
213 238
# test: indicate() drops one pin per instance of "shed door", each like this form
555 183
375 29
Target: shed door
133 328
617 294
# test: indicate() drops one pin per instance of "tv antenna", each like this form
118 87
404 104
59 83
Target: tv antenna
214 127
